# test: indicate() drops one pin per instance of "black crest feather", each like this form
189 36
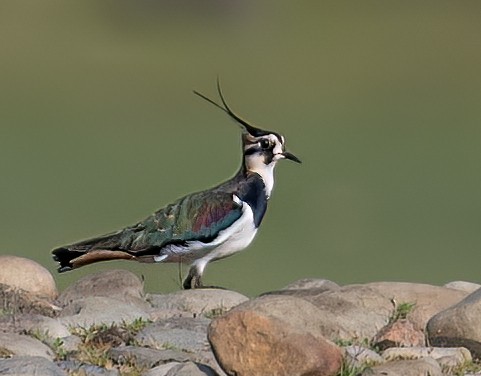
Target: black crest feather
254 131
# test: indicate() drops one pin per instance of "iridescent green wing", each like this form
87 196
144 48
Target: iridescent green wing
197 217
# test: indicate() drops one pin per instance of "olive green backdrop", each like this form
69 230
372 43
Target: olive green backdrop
381 100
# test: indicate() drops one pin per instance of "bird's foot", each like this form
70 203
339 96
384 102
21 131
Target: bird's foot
192 281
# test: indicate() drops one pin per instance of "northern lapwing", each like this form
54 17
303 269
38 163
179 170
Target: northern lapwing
201 227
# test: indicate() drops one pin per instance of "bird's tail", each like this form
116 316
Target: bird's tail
104 248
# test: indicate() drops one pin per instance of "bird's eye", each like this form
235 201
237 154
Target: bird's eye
264 143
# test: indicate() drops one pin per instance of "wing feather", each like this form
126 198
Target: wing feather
197 217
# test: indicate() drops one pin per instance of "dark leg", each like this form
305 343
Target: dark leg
193 279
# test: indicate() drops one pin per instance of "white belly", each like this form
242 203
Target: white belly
235 238
231 240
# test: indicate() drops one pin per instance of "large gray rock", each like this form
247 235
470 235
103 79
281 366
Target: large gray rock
116 284
47 326
206 302
32 323
273 335
458 325
23 345
351 312
27 275
181 334
95 310
419 367
428 299
146 357
29 365
361 311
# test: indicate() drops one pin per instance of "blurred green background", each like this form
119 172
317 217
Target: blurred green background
381 100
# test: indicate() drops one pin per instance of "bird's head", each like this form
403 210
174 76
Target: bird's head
262 149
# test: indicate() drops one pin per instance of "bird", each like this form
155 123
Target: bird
201 227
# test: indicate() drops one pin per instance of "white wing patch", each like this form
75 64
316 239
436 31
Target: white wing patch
160 258
237 200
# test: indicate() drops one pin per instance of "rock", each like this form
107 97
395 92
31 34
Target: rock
115 284
181 334
184 338
27 275
207 357
181 369
146 357
71 343
32 323
157 314
206 302
48 326
29 365
400 333
95 310
360 311
428 299
312 283
305 287
163 369
78 368
37 324
356 356
461 354
420 367
16 301
354 312
273 335
464 286
449 364
191 369
458 325
23 345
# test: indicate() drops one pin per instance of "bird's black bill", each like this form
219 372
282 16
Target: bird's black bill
291 156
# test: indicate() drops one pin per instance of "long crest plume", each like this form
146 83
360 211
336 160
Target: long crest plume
253 131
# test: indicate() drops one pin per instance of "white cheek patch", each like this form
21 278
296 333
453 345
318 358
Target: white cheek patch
277 148
256 162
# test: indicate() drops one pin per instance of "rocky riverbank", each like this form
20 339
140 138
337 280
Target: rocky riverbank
105 324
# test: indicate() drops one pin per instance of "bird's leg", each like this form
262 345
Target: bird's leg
193 279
